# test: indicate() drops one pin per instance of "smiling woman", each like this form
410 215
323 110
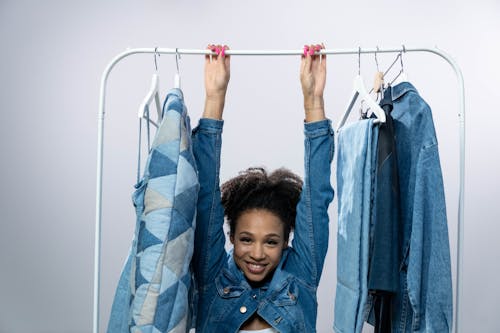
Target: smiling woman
261 214
263 284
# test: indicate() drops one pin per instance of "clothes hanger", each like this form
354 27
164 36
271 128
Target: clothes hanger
378 82
378 87
177 78
153 94
401 77
379 76
360 90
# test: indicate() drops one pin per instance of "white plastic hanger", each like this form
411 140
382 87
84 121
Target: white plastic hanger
360 90
153 94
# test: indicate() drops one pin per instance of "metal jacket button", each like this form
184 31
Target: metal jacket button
243 309
226 291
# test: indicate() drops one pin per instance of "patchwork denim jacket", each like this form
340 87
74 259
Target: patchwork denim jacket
288 302
153 291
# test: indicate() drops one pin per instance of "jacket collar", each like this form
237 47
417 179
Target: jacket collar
402 88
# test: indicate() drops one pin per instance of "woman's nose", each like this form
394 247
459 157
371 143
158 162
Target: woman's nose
257 252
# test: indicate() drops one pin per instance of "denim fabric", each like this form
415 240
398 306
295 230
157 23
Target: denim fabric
153 291
355 162
288 302
385 222
424 301
120 310
385 227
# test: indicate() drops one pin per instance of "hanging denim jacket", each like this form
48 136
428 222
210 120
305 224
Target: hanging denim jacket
153 291
288 302
424 301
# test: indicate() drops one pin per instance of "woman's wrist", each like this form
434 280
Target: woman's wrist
214 107
313 102
314 108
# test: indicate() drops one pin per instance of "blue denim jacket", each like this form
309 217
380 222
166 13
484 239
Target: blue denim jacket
424 301
288 302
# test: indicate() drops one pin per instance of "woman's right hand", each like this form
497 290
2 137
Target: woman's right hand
313 80
217 73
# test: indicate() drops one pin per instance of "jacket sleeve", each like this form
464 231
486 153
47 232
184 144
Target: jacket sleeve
310 240
209 253
429 266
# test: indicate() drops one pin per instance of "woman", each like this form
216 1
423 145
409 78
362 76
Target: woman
263 284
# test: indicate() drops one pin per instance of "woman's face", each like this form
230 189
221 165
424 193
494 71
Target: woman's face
258 242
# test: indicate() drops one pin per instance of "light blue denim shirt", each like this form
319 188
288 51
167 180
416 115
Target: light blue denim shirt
288 302
424 301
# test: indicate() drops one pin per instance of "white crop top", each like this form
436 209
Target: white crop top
265 330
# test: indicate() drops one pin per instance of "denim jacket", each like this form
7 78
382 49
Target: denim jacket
424 301
288 302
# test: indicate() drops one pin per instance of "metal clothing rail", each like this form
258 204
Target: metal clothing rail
357 51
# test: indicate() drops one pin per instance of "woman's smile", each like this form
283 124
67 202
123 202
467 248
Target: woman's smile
256 268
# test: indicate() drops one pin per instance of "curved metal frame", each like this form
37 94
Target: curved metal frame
176 51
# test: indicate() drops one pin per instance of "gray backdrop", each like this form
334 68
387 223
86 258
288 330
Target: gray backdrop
54 52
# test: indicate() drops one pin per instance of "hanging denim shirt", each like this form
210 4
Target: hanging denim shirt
288 302
424 301
355 163
385 225
153 291
385 221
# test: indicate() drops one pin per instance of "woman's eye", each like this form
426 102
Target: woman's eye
272 242
245 240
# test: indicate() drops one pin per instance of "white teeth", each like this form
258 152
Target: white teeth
256 268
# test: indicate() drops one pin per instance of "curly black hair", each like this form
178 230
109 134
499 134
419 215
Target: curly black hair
277 192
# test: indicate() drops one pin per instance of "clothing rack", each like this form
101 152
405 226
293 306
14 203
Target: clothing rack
357 51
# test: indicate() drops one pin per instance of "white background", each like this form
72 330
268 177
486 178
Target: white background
54 52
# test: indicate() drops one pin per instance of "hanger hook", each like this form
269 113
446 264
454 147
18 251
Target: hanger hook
401 59
359 60
177 58
156 54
